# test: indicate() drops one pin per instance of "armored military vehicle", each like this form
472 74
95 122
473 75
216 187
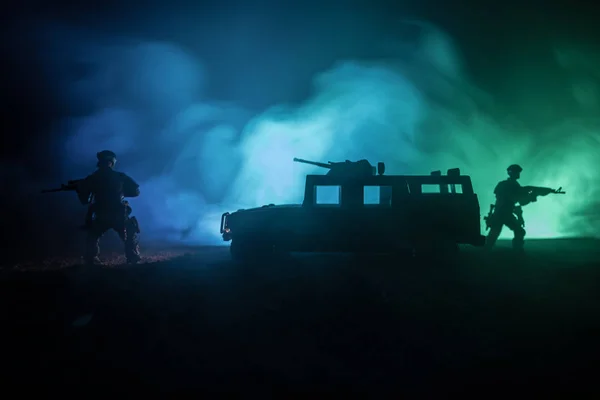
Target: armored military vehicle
355 207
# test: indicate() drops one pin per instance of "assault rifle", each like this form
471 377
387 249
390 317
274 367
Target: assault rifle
542 191
73 186
70 186
531 193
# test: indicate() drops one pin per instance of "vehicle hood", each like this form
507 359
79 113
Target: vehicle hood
268 207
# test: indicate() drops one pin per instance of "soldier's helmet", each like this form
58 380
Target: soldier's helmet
514 171
515 168
106 156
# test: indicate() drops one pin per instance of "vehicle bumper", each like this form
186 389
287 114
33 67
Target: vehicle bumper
479 242
224 229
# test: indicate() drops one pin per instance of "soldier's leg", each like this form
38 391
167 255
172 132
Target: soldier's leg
92 247
519 233
132 241
129 234
493 235
89 217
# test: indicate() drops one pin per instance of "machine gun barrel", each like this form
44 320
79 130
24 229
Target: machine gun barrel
315 163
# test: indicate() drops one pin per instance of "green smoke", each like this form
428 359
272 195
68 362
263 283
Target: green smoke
421 113
417 111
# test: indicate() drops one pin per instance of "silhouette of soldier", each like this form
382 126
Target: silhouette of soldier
108 188
508 193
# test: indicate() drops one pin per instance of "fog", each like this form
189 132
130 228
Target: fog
414 108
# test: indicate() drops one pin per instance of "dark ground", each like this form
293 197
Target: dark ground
193 319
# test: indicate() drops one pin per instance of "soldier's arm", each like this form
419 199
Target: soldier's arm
524 196
85 189
498 189
130 187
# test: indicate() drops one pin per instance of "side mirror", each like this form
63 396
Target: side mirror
380 168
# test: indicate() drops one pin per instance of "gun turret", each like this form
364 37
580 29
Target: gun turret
315 163
347 168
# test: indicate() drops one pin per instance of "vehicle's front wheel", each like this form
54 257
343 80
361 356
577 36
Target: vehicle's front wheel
236 249
247 249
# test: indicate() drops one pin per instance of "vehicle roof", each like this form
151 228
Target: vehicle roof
390 179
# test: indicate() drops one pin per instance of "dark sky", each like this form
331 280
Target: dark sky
491 35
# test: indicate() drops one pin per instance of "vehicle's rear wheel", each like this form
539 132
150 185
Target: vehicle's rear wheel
439 249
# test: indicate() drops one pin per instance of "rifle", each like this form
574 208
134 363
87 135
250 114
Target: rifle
71 186
533 192
517 211
488 218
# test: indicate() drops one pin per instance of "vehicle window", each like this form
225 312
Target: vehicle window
457 188
430 188
379 195
328 195
427 188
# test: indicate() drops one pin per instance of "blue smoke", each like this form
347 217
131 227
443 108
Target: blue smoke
196 158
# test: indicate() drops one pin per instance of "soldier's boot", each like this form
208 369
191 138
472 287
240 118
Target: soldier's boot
93 261
133 255
492 238
134 259
92 250
518 241
132 246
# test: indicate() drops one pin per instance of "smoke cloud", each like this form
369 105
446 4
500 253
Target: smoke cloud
196 158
